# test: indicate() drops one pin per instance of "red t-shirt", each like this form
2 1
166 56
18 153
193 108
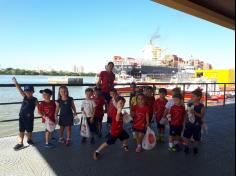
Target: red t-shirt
177 115
140 117
111 108
150 104
100 102
116 126
48 109
159 106
107 81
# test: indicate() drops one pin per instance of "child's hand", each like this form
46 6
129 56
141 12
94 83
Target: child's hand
91 120
14 80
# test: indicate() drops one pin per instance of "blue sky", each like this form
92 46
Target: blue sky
63 33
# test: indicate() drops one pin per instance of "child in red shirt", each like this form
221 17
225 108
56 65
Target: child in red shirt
111 107
47 109
140 114
117 131
99 110
159 109
150 100
176 117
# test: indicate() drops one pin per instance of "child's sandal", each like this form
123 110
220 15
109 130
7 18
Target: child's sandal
126 148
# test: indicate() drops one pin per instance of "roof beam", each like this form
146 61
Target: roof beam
199 11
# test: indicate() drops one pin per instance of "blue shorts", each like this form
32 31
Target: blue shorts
26 124
112 139
193 130
176 130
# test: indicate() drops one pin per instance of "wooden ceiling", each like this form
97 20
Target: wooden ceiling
221 12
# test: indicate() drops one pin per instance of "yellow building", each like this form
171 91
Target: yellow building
221 76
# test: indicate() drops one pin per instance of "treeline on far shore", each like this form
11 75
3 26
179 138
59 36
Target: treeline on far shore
12 71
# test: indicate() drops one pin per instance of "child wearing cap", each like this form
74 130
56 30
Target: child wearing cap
159 109
26 120
88 109
194 123
99 109
176 117
65 106
117 131
46 109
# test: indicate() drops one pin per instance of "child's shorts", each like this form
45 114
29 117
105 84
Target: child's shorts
139 130
192 130
26 124
160 126
112 139
176 130
92 126
109 120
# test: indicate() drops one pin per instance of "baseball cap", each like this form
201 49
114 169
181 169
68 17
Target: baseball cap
47 91
28 88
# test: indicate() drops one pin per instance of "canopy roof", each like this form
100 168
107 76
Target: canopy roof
221 12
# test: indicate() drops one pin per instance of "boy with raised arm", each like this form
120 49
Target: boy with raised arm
26 119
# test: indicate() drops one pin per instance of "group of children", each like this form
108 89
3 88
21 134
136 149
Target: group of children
185 125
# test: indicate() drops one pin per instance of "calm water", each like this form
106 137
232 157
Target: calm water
12 95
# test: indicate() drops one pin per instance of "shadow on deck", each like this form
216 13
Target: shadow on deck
216 158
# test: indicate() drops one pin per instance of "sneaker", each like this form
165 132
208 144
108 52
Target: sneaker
195 151
30 142
186 150
49 145
96 156
125 148
92 141
83 140
62 141
172 149
18 147
138 149
68 142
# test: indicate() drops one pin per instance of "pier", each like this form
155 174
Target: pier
216 157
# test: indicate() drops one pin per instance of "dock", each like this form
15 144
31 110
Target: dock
216 157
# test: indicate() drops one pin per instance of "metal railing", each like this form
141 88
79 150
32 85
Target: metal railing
154 85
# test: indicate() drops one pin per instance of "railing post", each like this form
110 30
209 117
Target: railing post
184 91
53 93
224 95
206 96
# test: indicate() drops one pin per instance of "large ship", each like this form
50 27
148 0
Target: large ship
151 65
